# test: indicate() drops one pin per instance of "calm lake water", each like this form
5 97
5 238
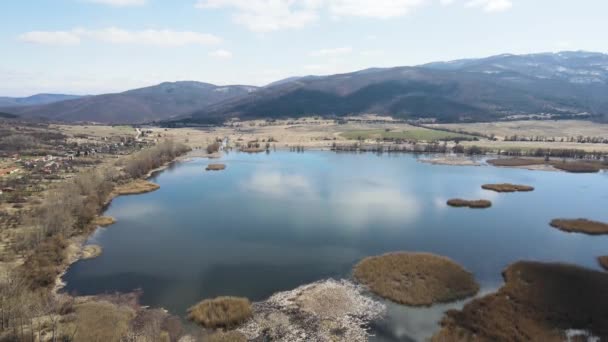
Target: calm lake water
274 222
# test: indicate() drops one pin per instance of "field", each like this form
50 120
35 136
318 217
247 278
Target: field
404 133
563 128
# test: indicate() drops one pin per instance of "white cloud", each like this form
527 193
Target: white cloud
120 3
272 15
372 53
267 15
491 5
381 9
115 35
50 37
222 54
331 52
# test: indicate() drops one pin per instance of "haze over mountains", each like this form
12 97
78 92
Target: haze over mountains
567 84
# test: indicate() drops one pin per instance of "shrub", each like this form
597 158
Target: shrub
213 148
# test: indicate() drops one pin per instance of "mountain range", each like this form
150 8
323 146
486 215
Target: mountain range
38 99
565 84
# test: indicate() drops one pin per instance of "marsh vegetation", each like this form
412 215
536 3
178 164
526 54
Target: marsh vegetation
538 302
572 166
580 226
474 204
506 187
215 167
221 312
603 261
416 279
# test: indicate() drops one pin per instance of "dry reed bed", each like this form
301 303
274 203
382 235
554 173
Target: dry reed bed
221 312
538 302
580 226
476 204
328 310
135 187
506 187
216 167
603 261
91 252
575 166
103 221
416 279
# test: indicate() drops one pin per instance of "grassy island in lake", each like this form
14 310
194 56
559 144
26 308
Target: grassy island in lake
538 302
476 204
221 312
505 187
216 167
417 279
580 226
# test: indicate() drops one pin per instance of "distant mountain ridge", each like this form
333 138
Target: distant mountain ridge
561 85
160 102
38 99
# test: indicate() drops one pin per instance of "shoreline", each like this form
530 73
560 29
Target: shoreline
76 244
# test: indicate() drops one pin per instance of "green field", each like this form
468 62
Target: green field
415 133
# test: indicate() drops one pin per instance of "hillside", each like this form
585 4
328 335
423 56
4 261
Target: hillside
159 102
34 100
569 84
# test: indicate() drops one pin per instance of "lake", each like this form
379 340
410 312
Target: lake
273 222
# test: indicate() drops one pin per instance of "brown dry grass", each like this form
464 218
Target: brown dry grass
505 187
580 226
139 186
578 166
537 303
103 221
603 261
102 321
477 204
230 336
216 167
515 162
417 279
221 312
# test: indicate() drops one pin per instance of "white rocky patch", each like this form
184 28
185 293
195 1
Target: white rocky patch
328 310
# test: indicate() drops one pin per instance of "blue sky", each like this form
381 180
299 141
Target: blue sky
97 46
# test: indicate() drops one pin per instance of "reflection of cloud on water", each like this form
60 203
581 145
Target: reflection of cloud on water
354 203
363 204
440 203
279 184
